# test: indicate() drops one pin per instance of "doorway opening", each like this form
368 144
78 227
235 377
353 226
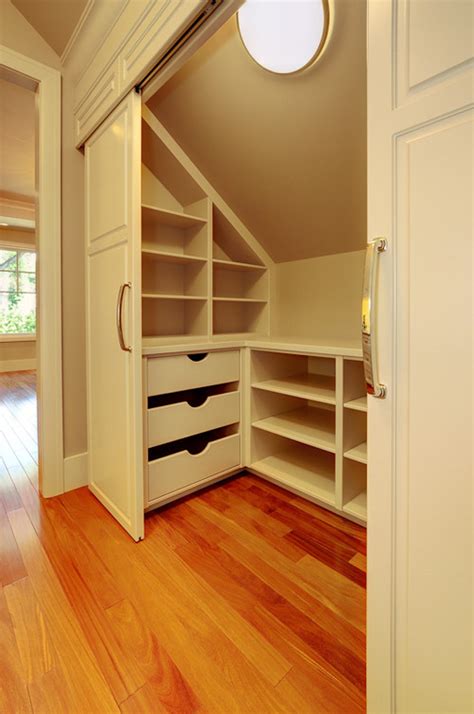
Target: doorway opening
30 209
18 283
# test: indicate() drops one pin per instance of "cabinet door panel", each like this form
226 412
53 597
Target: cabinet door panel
113 259
420 129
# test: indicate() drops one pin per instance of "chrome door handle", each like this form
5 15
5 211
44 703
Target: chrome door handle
369 329
119 312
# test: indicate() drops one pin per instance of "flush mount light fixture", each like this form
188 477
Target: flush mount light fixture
284 36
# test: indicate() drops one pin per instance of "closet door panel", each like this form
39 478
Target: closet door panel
114 369
419 587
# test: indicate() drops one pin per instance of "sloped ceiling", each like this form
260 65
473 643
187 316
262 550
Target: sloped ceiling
288 154
55 20
17 141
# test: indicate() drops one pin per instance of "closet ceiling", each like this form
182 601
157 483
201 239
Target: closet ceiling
55 20
17 141
288 154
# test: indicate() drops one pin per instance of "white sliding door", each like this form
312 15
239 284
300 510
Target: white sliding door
113 159
420 596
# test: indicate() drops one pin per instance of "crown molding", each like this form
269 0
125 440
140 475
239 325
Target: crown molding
77 30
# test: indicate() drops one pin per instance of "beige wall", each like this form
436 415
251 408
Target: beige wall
73 256
319 297
17 34
287 153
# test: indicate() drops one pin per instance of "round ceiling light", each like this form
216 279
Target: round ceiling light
284 36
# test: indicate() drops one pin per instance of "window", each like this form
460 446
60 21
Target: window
17 292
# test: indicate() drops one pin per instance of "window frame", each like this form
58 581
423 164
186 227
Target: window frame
25 248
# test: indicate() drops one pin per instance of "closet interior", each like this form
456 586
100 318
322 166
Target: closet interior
247 269
228 385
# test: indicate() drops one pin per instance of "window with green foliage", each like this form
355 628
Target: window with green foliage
17 292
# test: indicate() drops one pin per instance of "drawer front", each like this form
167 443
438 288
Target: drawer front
179 372
177 471
175 421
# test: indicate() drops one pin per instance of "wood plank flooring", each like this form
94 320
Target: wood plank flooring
242 598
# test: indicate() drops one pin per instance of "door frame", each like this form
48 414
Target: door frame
48 232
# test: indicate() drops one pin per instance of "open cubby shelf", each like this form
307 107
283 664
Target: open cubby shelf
153 215
357 506
166 257
359 404
357 453
236 266
238 299
301 469
195 249
314 387
164 296
302 434
306 425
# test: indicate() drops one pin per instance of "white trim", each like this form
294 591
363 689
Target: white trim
48 244
75 33
75 471
23 337
17 365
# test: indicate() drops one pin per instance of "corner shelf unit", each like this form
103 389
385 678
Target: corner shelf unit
308 428
203 273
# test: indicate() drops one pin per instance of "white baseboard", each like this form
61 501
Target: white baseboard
75 471
17 365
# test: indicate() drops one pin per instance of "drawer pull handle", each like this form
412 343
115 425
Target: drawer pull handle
198 401
195 450
198 357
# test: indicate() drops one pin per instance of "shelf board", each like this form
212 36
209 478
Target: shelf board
314 387
165 257
359 404
302 470
357 506
234 265
314 427
358 453
239 299
154 215
159 296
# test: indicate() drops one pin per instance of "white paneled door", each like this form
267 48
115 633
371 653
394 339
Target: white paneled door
420 508
113 159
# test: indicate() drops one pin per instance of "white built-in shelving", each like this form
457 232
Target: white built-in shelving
308 427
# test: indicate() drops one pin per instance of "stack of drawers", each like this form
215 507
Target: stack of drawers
193 416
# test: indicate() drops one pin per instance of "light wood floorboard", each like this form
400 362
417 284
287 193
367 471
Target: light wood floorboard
242 598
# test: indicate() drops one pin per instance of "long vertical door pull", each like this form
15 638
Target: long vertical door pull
119 316
369 333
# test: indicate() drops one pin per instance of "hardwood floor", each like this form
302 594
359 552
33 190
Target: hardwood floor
241 599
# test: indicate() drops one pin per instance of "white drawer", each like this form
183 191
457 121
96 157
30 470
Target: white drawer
175 421
178 372
175 472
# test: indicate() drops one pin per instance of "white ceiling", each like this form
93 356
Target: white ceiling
55 20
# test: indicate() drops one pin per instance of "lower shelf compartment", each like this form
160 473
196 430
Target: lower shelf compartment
306 425
357 506
357 453
180 469
303 470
